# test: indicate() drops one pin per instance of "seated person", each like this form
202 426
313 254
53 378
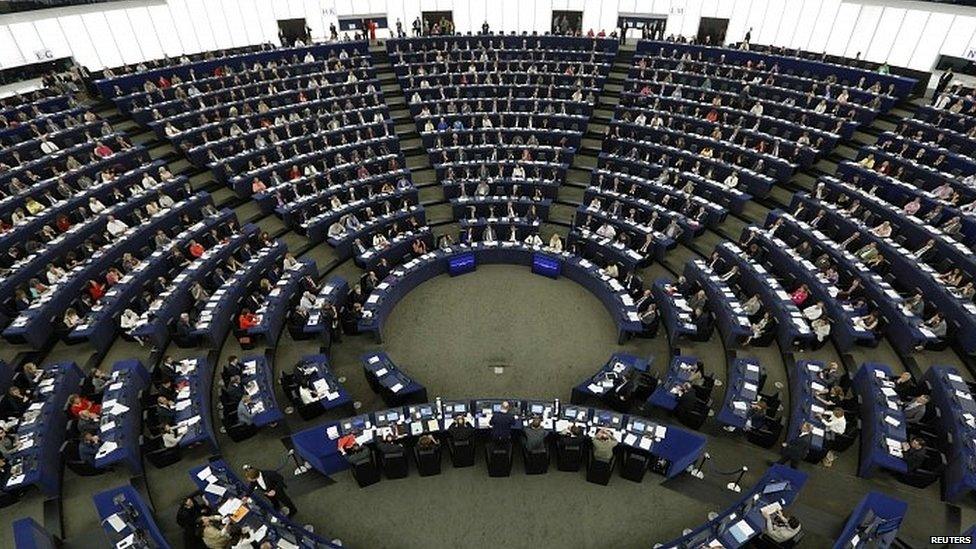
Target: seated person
914 454
354 452
535 436
603 445
77 403
461 429
781 527
88 448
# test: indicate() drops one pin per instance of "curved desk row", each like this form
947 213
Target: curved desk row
408 276
318 446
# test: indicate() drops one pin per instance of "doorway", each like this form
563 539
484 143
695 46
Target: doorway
566 22
648 27
438 22
293 30
711 30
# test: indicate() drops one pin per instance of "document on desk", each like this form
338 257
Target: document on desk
215 489
118 409
645 443
630 439
230 506
741 531
116 522
397 388
332 432
126 542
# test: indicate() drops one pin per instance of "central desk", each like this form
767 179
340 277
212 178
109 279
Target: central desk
678 447
411 274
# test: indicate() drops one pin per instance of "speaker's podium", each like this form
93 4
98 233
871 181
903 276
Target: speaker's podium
569 453
546 265
461 264
395 464
428 460
498 454
599 471
462 452
536 462
633 465
366 472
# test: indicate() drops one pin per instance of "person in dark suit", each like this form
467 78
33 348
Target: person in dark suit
796 450
461 429
231 369
271 485
184 330
687 400
942 84
914 454
88 448
501 423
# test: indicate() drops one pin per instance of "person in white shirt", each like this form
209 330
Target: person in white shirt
48 147
336 230
116 227
95 205
128 320
307 301
732 181
488 235
518 172
607 231
308 394
821 328
54 274
835 422
815 311
555 243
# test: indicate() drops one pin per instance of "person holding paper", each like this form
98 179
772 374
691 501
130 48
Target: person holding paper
214 535
271 485
781 527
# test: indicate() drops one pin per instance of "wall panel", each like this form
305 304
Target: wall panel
885 34
864 30
146 34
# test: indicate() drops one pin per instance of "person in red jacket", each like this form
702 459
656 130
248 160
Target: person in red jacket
195 249
247 319
77 404
95 290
